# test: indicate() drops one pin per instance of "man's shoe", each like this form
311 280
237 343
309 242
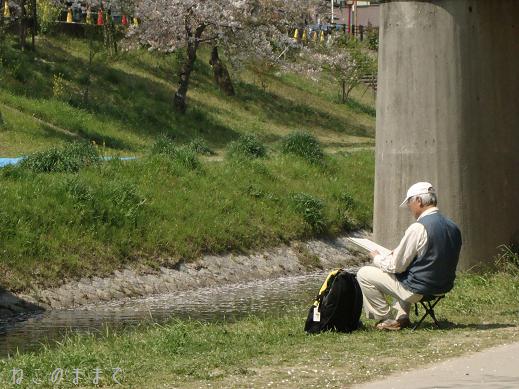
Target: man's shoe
404 321
388 324
394 325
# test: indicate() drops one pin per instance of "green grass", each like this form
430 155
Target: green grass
130 102
273 350
163 208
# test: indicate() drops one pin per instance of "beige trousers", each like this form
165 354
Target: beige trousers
376 284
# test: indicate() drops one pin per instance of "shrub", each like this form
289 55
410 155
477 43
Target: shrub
304 145
311 209
346 201
183 155
69 159
200 146
247 146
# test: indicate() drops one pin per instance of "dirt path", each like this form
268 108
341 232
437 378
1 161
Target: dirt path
493 363
41 121
495 367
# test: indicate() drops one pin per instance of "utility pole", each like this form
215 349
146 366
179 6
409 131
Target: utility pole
333 13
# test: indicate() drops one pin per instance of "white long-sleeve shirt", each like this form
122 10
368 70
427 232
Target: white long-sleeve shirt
412 244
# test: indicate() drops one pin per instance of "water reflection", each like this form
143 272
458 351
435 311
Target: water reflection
227 302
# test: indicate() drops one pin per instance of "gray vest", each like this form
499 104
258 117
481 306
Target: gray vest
434 271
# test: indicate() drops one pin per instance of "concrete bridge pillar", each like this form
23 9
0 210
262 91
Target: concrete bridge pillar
448 113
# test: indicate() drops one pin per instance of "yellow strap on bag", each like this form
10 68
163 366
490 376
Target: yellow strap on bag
326 284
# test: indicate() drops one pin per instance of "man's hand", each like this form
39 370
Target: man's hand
373 254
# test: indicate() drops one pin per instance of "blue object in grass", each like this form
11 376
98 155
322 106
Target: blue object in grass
9 161
13 161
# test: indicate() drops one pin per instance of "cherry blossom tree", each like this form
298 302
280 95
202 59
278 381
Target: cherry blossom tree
169 25
342 58
244 29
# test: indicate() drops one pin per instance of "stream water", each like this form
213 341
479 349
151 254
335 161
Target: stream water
229 302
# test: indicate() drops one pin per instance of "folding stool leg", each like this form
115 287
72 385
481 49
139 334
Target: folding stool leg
429 311
423 317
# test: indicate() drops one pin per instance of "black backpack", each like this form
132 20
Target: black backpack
337 306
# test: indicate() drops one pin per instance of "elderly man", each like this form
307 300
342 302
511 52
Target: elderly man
424 263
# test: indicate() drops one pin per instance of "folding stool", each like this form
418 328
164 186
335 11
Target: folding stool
428 302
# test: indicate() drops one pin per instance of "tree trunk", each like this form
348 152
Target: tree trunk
221 74
109 34
34 24
1 20
89 33
348 91
343 91
23 26
193 41
179 101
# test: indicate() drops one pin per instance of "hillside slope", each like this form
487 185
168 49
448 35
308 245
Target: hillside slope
130 98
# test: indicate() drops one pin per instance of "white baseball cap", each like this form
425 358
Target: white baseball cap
418 189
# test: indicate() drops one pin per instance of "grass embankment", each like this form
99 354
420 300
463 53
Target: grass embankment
130 102
156 210
273 351
162 208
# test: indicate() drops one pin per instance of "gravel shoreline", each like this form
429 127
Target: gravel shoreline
210 270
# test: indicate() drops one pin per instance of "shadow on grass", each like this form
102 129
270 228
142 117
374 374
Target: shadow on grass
143 105
448 325
286 112
138 104
359 107
352 102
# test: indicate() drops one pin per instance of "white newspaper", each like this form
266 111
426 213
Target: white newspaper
369 245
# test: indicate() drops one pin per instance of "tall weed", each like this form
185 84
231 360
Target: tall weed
163 146
507 260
